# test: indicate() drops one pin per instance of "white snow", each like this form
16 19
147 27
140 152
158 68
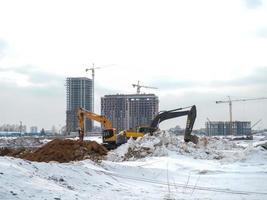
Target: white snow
17 142
166 168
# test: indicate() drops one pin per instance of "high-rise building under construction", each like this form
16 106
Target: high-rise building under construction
79 94
223 128
127 111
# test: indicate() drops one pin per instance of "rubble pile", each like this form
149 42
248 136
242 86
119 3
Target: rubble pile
163 143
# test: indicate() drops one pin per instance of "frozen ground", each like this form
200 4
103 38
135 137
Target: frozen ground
166 168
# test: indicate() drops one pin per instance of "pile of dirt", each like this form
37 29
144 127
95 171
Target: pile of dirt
59 150
67 150
17 153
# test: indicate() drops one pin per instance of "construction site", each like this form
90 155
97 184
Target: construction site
133 152
133 100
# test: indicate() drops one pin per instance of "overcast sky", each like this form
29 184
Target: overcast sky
195 52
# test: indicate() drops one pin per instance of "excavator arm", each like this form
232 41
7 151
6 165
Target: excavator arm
191 116
82 113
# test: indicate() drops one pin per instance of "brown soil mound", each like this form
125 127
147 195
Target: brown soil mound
66 151
17 153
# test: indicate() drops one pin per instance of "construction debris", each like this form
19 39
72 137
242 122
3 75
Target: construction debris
163 143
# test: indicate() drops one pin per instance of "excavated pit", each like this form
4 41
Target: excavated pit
60 150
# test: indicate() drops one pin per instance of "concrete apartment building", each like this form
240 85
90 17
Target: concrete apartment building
223 128
79 94
129 110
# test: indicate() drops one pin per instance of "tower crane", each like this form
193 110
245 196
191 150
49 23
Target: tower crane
138 87
229 101
256 123
93 68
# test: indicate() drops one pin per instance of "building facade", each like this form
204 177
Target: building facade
223 128
33 129
79 94
130 110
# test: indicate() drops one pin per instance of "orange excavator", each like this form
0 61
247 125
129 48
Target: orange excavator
108 134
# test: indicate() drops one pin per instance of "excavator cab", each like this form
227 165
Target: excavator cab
108 134
109 138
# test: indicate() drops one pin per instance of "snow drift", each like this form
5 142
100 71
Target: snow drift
163 143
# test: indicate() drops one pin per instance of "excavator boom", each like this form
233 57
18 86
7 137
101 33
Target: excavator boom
93 116
165 115
191 116
82 113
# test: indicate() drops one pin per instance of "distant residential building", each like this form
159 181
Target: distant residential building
127 111
79 94
33 129
223 128
13 128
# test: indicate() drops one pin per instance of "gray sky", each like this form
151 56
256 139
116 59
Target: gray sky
195 52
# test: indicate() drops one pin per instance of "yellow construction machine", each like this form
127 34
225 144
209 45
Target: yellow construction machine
108 133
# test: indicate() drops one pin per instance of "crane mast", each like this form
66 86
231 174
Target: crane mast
93 68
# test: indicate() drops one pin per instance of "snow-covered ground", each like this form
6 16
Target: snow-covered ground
166 169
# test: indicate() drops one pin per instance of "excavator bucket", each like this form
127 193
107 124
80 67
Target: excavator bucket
191 117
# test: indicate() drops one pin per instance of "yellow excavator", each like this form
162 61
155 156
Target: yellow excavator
164 115
108 134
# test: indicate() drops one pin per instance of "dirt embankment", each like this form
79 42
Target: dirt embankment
60 150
